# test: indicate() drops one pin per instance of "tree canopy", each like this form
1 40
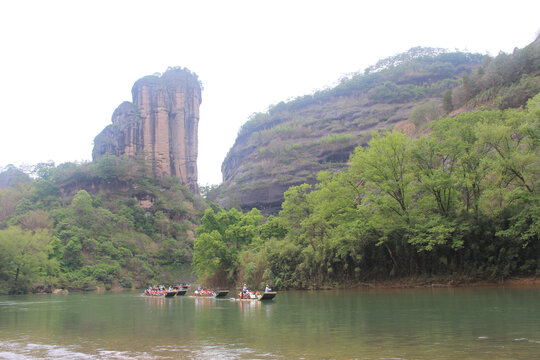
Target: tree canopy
460 202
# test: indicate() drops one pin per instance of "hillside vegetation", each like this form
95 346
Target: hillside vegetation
100 224
460 204
443 185
293 141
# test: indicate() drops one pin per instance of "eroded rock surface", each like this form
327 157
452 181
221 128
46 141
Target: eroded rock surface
160 126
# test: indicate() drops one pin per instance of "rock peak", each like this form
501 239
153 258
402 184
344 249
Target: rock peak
159 125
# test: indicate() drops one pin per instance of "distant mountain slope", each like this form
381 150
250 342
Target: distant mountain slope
292 142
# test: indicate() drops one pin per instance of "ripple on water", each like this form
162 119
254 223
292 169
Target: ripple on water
18 351
211 352
15 350
26 303
528 340
12 350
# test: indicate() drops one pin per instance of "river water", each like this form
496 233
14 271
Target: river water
427 323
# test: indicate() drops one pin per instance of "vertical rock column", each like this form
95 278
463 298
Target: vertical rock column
184 130
161 125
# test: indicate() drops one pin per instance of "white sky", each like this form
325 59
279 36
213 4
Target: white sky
66 65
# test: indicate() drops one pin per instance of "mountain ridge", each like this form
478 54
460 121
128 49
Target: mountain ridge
291 142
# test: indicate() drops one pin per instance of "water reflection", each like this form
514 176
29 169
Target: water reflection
267 306
248 306
161 303
419 324
202 302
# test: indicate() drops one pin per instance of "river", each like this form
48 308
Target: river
425 323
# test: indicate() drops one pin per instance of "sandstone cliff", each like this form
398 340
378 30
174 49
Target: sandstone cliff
159 126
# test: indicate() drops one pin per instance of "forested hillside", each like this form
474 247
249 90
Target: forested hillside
101 224
290 143
293 141
459 204
446 187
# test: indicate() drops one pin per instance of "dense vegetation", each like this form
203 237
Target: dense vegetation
461 203
505 81
124 230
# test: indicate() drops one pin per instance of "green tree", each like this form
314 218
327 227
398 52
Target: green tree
211 257
223 234
447 104
511 140
385 168
23 259
295 207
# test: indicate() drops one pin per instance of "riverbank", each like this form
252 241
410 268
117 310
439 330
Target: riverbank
410 282
445 282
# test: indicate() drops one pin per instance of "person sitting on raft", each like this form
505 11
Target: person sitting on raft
267 288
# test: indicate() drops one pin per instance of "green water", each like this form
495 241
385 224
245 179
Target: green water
476 323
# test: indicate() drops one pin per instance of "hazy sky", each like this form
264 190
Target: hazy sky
66 65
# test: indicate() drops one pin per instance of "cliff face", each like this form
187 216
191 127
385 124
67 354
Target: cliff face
159 126
292 142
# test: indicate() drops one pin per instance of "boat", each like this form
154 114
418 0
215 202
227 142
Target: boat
221 293
203 293
158 293
268 295
210 293
163 292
